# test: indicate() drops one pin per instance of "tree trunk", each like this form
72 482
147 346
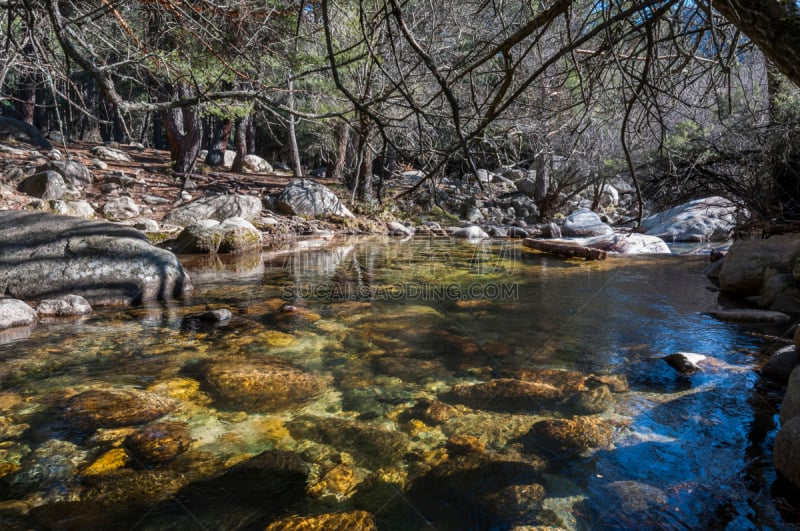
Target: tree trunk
364 183
294 150
158 132
336 166
25 93
218 142
184 130
240 139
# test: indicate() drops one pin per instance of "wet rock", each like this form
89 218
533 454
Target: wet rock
370 445
110 461
220 208
634 496
108 153
566 382
260 384
66 306
48 256
684 362
120 208
411 369
780 364
584 223
750 263
304 197
590 401
432 412
73 172
159 442
44 185
255 164
464 445
51 462
219 315
398 229
238 235
201 236
710 219
617 383
797 337
476 492
344 521
750 316
15 313
111 408
786 451
506 394
564 435
129 486
339 482
472 232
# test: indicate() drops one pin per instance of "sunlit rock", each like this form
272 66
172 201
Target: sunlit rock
14 313
216 207
710 219
259 384
304 197
109 408
576 434
584 223
66 306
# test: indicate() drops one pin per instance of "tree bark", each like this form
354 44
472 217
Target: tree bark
240 139
294 150
336 166
184 130
773 25
220 132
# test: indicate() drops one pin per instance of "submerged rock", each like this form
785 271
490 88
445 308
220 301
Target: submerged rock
577 434
111 408
260 384
159 442
370 445
750 316
506 394
345 521
634 496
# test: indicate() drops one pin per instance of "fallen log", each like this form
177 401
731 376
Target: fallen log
566 250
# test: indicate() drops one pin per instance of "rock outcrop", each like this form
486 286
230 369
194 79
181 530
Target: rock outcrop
45 256
710 219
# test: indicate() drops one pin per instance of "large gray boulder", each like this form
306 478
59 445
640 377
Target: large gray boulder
786 451
219 207
627 244
14 312
710 219
584 223
304 197
45 256
73 172
750 263
210 236
255 164
44 185
121 208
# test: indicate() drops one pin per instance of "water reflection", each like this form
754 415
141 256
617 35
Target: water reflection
429 383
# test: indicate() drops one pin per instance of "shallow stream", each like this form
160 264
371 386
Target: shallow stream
434 384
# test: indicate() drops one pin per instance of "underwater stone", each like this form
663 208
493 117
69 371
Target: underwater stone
111 408
346 521
580 433
159 442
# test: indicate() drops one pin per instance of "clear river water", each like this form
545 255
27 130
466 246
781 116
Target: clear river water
434 384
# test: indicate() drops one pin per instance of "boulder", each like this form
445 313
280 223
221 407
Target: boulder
66 306
108 153
576 434
211 236
73 172
710 219
19 131
786 451
15 313
263 384
81 208
797 337
791 399
396 228
781 293
473 232
627 244
585 223
527 186
112 408
609 196
44 185
45 256
750 263
304 197
780 364
219 207
340 521
255 164
120 208
160 441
